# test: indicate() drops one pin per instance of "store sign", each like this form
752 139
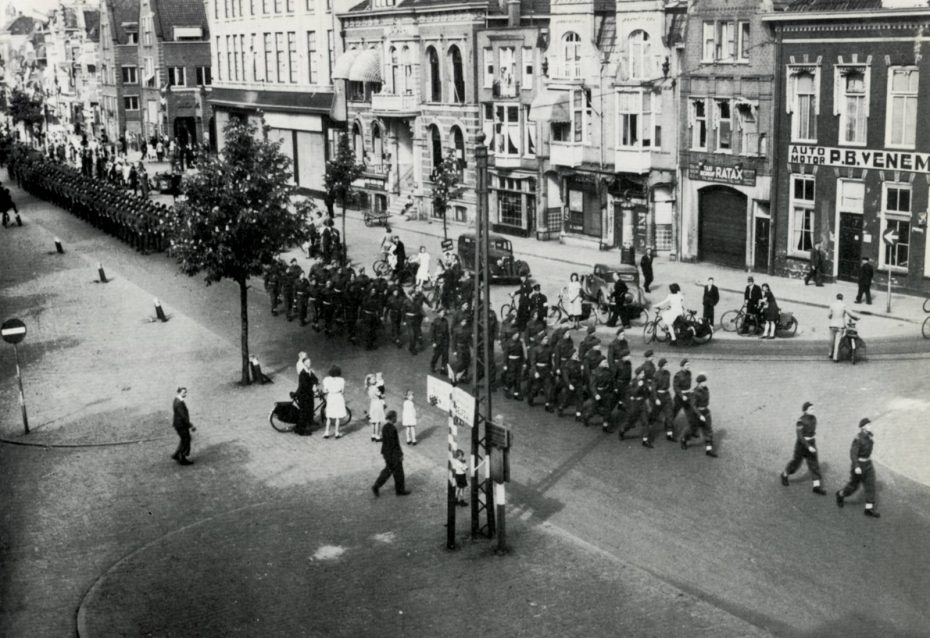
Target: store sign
733 175
859 158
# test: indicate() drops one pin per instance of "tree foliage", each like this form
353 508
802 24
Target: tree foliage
237 214
446 180
26 108
341 172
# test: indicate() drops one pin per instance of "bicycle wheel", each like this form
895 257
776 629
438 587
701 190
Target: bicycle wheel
381 267
927 304
662 331
859 352
505 310
792 328
649 332
277 423
730 320
926 328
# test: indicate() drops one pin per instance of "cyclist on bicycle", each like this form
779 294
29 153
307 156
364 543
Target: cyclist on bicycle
838 315
673 309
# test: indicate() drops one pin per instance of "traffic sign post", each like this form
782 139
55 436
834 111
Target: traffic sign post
891 238
499 440
441 394
13 331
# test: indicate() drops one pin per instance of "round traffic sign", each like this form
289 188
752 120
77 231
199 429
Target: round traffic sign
13 331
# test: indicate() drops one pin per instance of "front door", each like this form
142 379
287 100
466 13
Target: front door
761 256
849 248
722 226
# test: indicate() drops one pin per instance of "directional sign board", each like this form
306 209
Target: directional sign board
891 237
447 397
13 331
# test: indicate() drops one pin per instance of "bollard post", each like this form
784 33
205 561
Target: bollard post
159 312
58 247
22 396
101 274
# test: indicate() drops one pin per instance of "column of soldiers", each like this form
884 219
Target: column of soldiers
135 220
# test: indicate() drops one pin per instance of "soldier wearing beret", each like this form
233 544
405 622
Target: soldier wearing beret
805 448
699 418
862 472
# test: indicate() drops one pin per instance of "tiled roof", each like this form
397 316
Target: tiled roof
179 13
834 5
22 25
92 25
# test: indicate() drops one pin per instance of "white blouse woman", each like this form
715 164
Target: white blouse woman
334 387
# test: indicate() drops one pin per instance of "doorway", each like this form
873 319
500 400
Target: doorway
722 226
761 254
849 248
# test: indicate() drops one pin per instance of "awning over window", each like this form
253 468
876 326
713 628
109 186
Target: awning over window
551 106
344 64
366 67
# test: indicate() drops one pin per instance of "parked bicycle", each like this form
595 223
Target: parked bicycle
594 309
283 417
851 346
691 329
744 323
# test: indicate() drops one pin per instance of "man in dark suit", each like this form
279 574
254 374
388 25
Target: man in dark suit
815 270
752 296
400 253
393 457
710 300
182 425
618 301
645 263
866 273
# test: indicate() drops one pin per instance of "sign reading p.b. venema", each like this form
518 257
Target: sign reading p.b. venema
859 158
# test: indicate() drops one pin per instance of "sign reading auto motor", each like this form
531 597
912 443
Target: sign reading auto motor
859 158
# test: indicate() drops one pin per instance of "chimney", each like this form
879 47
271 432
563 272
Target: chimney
513 13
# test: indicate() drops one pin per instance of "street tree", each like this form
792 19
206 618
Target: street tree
341 172
237 214
26 108
446 180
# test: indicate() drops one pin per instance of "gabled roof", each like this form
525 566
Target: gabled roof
21 25
408 4
833 5
121 12
178 13
92 25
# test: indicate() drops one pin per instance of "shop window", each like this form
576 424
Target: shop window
509 208
803 102
853 88
896 216
901 125
723 122
801 221
699 124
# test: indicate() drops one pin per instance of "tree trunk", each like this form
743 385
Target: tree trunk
445 232
244 317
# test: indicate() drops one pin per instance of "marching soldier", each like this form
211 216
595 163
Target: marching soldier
327 305
682 385
395 313
439 336
805 449
700 418
616 350
371 309
662 410
273 277
639 399
289 288
862 472
303 299
588 342
540 372
522 300
513 367
590 361
572 386
539 303
313 302
563 348
601 401
462 346
509 327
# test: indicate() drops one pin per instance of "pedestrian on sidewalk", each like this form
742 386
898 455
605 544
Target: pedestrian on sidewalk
575 307
645 263
805 449
183 426
752 297
305 395
334 387
393 457
769 312
862 472
409 418
376 414
866 273
838 316
710 300
460 472
815 268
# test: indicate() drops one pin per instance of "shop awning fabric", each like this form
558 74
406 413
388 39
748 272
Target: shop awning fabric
551 106
344 64
366 67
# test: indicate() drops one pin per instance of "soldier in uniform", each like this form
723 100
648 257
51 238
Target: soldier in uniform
540 372
313 301
439 336
590 361
562 349
682 386
639 397
572 386
395 312
371 309
588 342
461 346
601 401
327 306
862 471
509 327
540 304
521 298
805 448
303 299
273 277
289 288
513 367
616 350
662 406
413 316
699 418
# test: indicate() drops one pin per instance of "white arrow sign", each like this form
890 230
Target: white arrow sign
891 237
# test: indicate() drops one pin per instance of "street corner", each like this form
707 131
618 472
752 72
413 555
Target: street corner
905 439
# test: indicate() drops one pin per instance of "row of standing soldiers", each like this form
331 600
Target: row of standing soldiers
135 220
602 388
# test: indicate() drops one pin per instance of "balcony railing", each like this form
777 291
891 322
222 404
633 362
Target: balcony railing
566 153
390 103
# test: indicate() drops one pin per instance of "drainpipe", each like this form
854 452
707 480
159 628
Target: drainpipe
773 151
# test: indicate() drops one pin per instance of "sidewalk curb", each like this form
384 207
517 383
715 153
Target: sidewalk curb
6 441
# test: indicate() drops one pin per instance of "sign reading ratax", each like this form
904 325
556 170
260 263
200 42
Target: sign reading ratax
733 175
859 158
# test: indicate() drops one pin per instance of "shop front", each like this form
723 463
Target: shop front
513 203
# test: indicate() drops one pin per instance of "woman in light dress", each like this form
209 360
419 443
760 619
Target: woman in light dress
375 406
334 387
423 267
673 307
574 299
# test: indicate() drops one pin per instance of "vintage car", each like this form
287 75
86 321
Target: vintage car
501 263
598 285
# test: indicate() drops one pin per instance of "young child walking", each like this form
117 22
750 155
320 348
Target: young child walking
460 471
375 407
409 418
